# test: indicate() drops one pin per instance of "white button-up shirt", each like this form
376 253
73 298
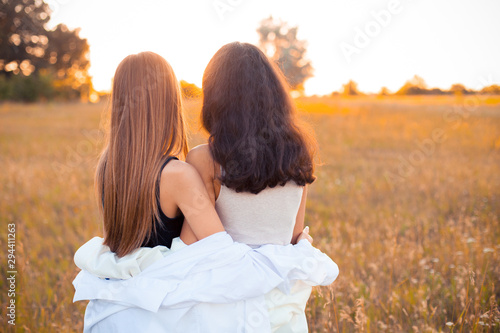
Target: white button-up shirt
214 285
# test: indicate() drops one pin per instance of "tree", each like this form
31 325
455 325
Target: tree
384 92
279 42
190 90
350 89
494 89
458 89
56 60
67 58
415 86
23 36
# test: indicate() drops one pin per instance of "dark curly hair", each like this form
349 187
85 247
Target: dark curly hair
250 116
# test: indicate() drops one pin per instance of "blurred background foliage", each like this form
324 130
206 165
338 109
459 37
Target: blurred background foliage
279 42
37 63
190 90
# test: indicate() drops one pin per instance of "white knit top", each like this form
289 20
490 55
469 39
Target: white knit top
264 218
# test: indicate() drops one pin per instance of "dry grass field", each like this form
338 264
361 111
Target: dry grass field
407 202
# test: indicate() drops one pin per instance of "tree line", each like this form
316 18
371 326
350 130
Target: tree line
417 86
37 63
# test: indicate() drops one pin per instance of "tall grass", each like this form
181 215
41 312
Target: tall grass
416 235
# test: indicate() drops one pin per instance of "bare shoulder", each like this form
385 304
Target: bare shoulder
182 188
178 173
201 158
200 155
177 179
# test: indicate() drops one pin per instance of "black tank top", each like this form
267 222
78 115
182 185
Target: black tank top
166 228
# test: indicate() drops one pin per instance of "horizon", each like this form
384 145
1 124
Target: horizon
377 44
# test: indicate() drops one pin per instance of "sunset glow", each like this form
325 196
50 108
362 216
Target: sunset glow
375 43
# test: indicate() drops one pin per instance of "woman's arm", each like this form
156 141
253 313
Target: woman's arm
182 186
299 222
201 159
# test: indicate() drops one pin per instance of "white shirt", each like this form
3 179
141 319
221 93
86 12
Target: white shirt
213 285
268 217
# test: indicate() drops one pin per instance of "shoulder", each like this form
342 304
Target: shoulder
179 174
200 155
201 158
182 187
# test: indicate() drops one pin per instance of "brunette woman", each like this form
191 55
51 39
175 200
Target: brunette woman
257 162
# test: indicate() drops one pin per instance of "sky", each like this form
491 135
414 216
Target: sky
373 42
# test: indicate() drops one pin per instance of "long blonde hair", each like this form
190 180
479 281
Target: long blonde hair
146 127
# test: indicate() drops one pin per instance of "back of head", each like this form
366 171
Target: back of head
254 132
146 127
